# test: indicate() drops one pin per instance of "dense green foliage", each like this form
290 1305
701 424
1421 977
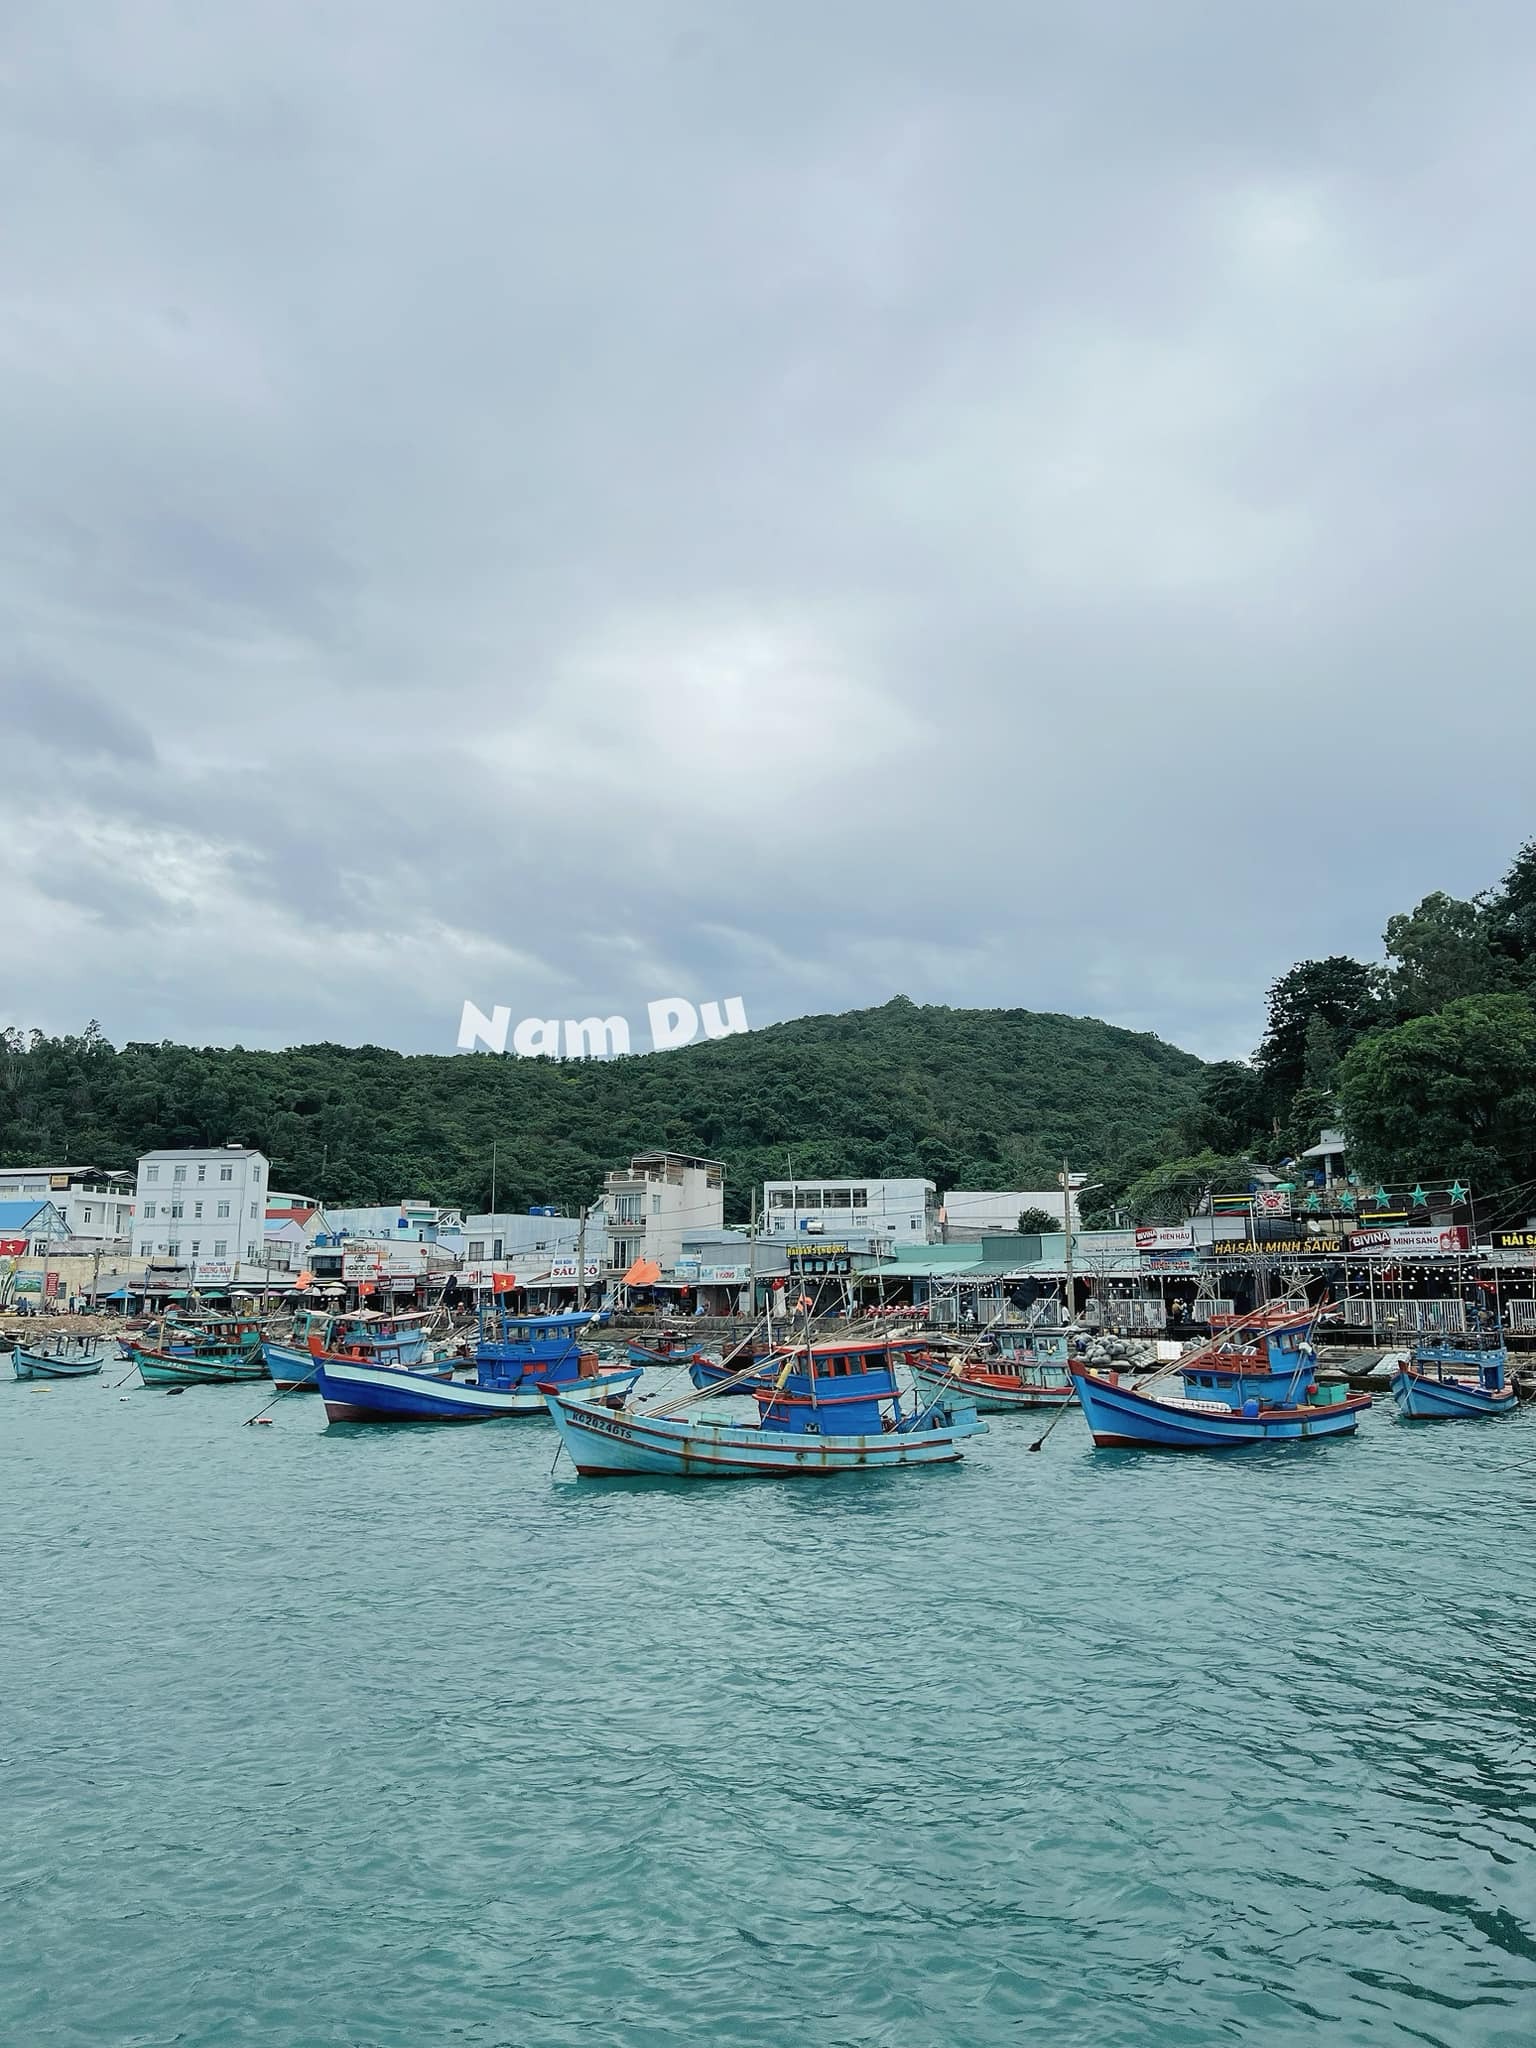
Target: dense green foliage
1428 1060
967 1098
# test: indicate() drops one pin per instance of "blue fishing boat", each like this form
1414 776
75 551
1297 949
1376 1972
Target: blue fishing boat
1454 1378
387 1339
202 1351
738 1372
517 1358
1256 1384
59 1358
828 1407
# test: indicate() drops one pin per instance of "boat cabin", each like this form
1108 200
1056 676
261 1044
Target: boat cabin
832 1389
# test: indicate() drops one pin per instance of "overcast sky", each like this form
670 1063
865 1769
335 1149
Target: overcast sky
565 502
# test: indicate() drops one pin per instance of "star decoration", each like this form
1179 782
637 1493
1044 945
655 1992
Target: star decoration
1383 1199
1347 1199
1419 1199
1458 1192
1312 1202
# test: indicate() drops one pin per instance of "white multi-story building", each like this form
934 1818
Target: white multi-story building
990 1212
882 1211
94 1202
651 1204
203 1209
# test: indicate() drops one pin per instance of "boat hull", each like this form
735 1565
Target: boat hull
291 1370
38 1365
1120 1418
602 1444
1423 1398
354 1391
161 1371
987 1398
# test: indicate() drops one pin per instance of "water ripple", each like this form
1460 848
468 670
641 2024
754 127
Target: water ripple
386 1739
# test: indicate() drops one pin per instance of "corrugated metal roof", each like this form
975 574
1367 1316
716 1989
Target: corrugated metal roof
17 1215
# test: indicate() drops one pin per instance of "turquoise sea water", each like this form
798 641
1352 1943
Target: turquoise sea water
391 1738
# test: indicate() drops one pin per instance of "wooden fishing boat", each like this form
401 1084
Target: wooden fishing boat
667 1348
59 1358
1454 1380
738 1373
831 1406
1255 1384
387 1339
185 1369
518 1357
996 1386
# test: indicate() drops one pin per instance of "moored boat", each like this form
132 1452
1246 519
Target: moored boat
386 1339
667 1348
59 1358
1455 1379
1257 1383
996 1386
831 1406
517 1357
186 1369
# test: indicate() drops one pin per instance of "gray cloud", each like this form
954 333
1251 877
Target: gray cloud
1014 504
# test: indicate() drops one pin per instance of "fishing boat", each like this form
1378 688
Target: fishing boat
742 1369
189 1369
202 1351
666 1348
389 1340
830 1406
997 1386
1454 1378
59 1358
517 1358
1255 1384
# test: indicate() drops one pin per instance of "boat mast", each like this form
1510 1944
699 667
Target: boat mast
1070 1288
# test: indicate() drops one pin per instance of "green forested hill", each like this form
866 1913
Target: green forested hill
969 1098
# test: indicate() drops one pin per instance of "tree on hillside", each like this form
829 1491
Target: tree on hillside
1452 1093
1441 950
1172 1192
1511 916
1231 1113
1337 990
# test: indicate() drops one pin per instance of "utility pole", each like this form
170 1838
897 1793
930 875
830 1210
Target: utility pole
581 1261
493 1187
1071 1286
752 1256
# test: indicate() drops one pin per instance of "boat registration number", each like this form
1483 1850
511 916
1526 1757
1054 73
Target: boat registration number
606 1426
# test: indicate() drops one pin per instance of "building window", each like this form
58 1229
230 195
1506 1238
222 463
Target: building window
197 1245
88 1212
779 1198
253 1212
197 1209
226 1173
250 1253
810 1198
173 1210
173 1248
146 1246
220 1247
256 1171
496 1248
178 1173
202 1172
149 1212
477 1247
839 1198
655 1205
223 1209
858 1198
621 1252
151 1173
